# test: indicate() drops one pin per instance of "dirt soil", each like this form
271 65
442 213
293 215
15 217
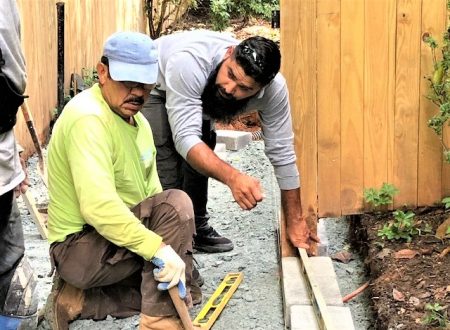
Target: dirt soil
402 286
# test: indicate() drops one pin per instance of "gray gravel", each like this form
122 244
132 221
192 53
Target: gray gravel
257 304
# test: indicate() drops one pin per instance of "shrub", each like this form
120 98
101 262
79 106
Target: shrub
403 227
439 82
383 196
222 10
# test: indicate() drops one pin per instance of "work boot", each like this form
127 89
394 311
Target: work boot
209 240
197 277
194 294
64 304
160 323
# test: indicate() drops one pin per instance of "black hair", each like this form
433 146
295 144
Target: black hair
259 57
105 61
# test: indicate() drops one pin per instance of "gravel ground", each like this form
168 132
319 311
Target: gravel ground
257 304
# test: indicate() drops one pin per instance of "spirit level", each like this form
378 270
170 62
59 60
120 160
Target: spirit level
211 311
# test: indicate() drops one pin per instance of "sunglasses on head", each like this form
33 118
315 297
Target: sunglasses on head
247 50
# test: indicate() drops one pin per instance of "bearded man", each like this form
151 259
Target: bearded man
207 76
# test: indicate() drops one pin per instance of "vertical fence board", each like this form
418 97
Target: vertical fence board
298 46
430 152
376 94
39 49
328 105
407 101
446 167
352 109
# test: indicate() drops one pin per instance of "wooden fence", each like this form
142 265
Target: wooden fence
87 24
355 69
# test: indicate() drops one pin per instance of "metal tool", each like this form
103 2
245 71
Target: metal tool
214 306
317 300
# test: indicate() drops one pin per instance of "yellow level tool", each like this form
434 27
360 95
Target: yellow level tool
211 311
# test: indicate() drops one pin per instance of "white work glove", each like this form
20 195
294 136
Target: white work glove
170 270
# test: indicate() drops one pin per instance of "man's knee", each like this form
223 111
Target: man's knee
182 203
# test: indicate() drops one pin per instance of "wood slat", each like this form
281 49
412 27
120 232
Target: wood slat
430 152
328 106
407 98
352 106
298 47
376 94
446 167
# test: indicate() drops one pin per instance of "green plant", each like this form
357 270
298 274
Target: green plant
439 82
435 315
220 17
89 76
383 196
222 10
446 202
403 227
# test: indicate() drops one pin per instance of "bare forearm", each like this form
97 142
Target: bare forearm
205 161
298 230
291 202
246 190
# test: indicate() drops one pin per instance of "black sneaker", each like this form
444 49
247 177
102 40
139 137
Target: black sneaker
210 241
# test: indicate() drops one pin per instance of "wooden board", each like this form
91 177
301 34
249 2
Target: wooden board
377 68
298 47
40 219
352 106
328 106
407 99
429 171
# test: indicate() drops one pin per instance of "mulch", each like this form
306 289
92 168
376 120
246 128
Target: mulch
405 276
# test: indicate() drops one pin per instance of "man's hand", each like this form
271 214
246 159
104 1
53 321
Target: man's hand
246 190
300 234
23 186
170 270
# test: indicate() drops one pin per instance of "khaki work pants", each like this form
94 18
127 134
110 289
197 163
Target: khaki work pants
116 281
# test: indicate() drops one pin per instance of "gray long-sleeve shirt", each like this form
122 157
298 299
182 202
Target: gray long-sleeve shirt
11 173
185 62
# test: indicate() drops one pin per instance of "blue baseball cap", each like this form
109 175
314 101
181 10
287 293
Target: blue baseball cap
132 56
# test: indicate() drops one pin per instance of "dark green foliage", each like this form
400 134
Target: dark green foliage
439 81
403 227
221 11
384 196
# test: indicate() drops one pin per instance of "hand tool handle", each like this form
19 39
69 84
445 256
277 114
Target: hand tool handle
181 309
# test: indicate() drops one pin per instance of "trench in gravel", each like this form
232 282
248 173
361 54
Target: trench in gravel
257 304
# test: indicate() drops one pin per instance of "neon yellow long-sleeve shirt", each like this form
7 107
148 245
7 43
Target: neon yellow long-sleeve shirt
99 166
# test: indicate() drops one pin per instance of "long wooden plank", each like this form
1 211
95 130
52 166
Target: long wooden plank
328 107
376 93
407 97
352 106
318 303
38 218
298 48
430 151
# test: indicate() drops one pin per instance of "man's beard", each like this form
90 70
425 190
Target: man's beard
220 108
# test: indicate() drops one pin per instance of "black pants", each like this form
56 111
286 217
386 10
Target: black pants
173 170
12 246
